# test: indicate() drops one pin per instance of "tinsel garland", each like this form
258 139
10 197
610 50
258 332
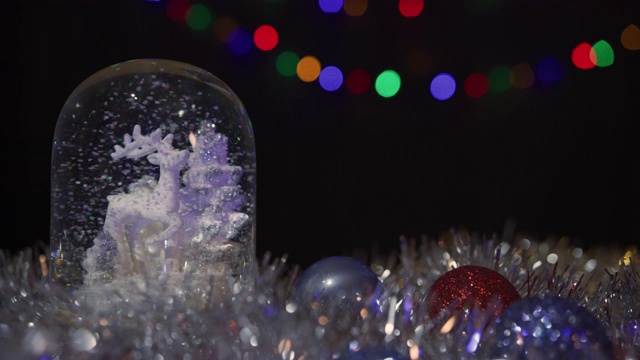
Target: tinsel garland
179 320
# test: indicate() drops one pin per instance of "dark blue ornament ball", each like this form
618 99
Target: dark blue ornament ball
338 283
548 328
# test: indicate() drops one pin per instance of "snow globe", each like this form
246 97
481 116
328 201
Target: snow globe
153 176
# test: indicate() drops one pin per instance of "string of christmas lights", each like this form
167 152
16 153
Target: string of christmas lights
387 83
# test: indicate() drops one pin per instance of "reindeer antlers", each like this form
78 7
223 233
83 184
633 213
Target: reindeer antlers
140 145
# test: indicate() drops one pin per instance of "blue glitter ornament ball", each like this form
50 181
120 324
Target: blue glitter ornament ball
338 283
548 328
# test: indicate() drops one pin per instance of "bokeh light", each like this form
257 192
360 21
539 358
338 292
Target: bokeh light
308 68
239 42
265 37
604 53
583 56
499 78
355 7
223 26
358 81
522 76
630 37
330 78
410 8
476 85
549 70
177 9
388 83
198 17
286 63
330 6
443 86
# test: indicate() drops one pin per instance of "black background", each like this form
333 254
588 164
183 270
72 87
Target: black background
338 171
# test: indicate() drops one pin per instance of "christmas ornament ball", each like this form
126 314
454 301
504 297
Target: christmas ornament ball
467 286
548 327
337 283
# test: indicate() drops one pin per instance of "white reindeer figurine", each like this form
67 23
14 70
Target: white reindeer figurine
130 217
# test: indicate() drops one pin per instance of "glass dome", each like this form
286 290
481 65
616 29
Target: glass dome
153 172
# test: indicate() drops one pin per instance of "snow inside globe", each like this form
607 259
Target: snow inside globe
153 175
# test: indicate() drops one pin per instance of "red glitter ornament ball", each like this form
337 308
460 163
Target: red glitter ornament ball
468 286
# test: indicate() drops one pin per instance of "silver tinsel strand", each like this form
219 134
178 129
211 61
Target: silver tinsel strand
180 320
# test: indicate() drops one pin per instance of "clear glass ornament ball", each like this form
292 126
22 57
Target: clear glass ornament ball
153 172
